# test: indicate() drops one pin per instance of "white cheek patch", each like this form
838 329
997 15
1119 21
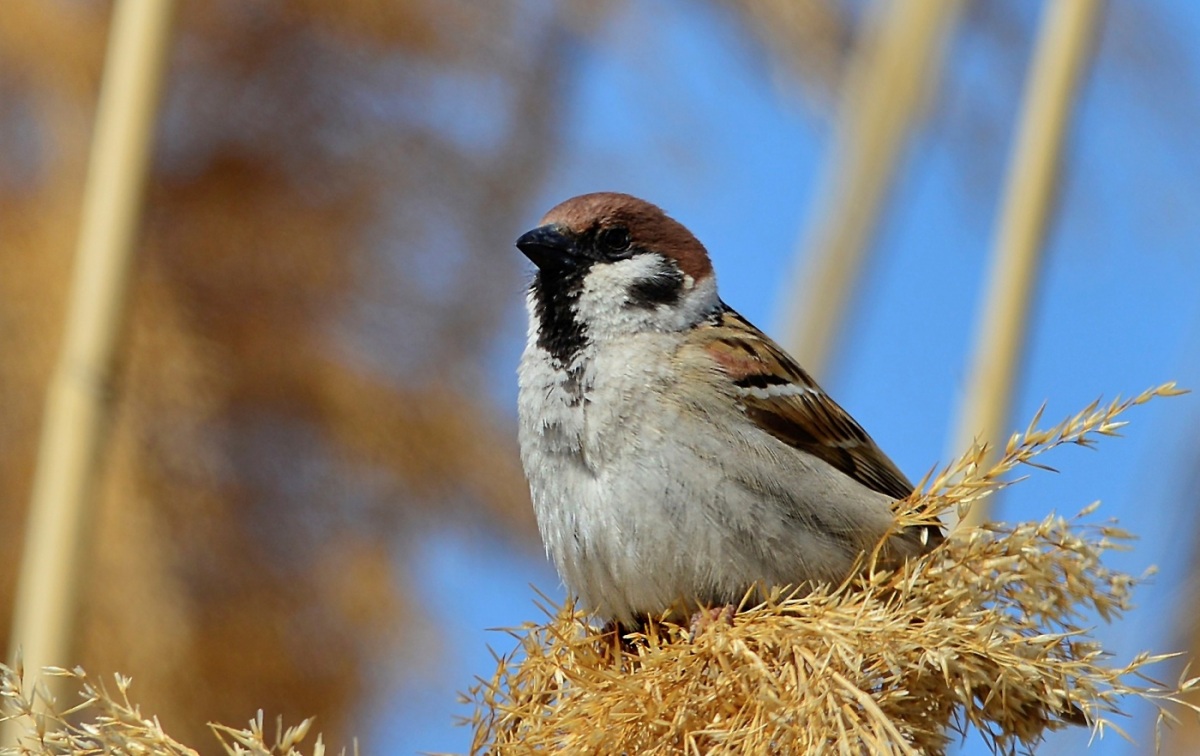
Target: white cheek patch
603 303
606 287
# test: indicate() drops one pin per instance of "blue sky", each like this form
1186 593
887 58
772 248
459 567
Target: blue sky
672 102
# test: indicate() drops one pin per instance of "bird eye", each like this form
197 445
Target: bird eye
613 242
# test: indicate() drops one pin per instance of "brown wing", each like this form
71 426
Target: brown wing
787 403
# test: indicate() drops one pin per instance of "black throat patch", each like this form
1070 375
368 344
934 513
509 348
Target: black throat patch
559 331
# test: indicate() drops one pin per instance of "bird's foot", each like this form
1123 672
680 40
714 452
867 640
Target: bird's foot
709 616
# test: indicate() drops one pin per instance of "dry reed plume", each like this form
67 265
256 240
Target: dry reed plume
108 722
987 632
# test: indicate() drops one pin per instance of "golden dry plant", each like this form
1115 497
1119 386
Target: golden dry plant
987 632
109 722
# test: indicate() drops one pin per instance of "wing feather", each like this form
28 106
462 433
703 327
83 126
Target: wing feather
782 399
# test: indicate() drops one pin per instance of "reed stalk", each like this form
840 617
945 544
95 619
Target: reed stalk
1064 42
80 396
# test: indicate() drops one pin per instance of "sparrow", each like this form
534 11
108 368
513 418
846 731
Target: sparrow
677 457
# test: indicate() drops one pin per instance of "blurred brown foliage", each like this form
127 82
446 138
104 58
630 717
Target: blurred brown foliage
325 262
326 258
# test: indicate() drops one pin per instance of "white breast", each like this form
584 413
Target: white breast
649 494
579 446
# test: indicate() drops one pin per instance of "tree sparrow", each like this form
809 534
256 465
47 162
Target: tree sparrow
677 457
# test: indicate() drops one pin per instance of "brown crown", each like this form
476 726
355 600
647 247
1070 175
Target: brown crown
649 227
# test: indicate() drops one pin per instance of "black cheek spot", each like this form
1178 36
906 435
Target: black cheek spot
664 288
